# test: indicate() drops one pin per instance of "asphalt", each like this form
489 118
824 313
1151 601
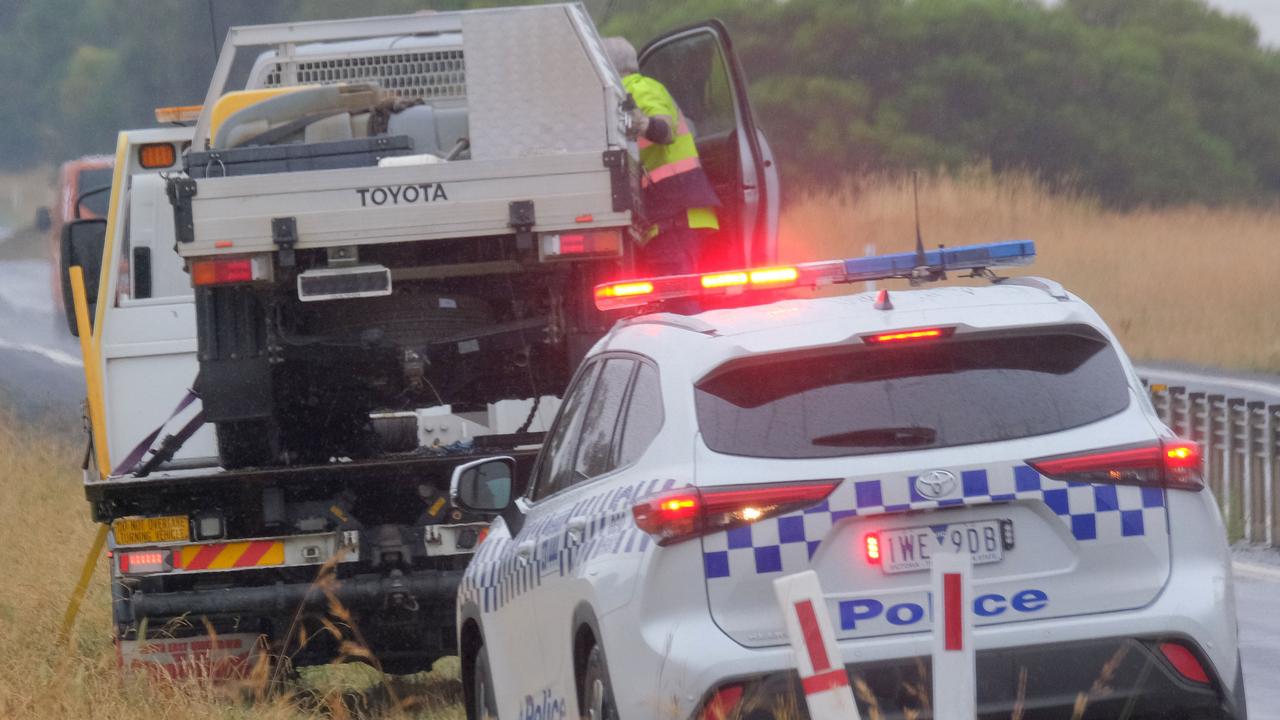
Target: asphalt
41 377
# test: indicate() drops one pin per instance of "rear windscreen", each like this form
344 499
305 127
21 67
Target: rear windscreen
855 400
95 191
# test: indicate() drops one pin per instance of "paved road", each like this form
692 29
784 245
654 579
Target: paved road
1259 607
40 373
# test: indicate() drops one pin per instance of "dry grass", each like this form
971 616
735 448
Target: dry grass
45 532
1187 284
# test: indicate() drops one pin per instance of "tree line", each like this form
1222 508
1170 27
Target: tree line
1143 102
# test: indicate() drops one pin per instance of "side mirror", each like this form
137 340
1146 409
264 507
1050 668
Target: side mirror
484 486
82 244
44 220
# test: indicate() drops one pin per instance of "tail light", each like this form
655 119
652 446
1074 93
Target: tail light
722 703
140 562
908 336
678 515
872 541
1168 463
1185 662
230 270
580 245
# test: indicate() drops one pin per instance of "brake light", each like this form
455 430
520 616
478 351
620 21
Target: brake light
137 562
678 515
1185 662
225 271
1169 463
909 336
722 703
873 548
581 244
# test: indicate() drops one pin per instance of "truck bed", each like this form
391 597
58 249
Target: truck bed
124 496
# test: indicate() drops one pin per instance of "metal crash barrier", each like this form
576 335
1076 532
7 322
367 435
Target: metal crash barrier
1240 440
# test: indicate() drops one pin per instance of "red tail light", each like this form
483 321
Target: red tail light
137 562
873 548
226 271
722 703
682 514
1185 662
909 336
581 244
1169 463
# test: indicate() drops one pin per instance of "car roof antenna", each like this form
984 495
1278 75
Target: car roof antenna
922 273
915 196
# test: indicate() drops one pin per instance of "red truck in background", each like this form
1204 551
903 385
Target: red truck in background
83 192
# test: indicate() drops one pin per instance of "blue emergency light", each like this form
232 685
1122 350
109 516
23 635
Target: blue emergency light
919 266
942 260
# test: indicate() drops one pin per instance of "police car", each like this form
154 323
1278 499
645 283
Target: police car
697 459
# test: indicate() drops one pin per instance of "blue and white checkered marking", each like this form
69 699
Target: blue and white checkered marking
786 543
496 576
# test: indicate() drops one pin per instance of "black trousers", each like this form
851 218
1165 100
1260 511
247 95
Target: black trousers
674 251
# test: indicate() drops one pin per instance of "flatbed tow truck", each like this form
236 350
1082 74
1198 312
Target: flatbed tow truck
232 541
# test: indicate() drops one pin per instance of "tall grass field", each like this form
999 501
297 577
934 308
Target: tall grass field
1188 284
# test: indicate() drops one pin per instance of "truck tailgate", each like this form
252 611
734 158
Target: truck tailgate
354 206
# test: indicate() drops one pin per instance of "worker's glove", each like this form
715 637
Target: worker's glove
639 123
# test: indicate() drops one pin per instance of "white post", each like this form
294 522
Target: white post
955 687
822 673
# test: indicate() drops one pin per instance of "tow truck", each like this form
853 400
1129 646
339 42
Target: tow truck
217 562
409 210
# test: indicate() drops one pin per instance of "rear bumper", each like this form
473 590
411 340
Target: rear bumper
1116 677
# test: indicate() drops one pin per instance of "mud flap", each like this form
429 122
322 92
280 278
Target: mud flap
214 657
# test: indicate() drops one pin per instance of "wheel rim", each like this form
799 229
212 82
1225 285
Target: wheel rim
596 711
483 711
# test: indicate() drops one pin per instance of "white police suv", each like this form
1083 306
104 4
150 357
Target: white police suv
697 459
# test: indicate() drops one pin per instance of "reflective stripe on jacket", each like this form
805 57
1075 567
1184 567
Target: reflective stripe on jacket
674 178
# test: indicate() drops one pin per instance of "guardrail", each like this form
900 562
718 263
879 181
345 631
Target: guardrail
1240 439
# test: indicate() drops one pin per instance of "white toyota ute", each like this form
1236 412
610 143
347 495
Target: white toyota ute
697 459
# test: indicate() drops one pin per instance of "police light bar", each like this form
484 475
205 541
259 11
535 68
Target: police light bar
975 258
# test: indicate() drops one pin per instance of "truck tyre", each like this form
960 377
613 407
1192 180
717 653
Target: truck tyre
247 443
596 692
486 707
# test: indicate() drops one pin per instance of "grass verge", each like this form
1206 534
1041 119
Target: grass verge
43 539
1189 284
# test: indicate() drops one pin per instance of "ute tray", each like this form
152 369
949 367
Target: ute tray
295 157
125 495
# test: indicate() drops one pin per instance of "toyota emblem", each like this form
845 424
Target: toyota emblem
935 484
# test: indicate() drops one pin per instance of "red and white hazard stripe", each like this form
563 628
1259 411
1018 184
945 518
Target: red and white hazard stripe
955 687
822 674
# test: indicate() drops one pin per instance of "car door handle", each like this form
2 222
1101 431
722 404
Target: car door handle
524 552
577 528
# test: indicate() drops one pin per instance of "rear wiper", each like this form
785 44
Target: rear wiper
880 437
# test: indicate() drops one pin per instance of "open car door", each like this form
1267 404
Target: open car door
698 67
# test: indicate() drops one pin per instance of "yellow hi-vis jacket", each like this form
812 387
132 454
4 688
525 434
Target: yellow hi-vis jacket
674 180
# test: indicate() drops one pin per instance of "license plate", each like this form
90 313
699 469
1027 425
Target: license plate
913 548
140 531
